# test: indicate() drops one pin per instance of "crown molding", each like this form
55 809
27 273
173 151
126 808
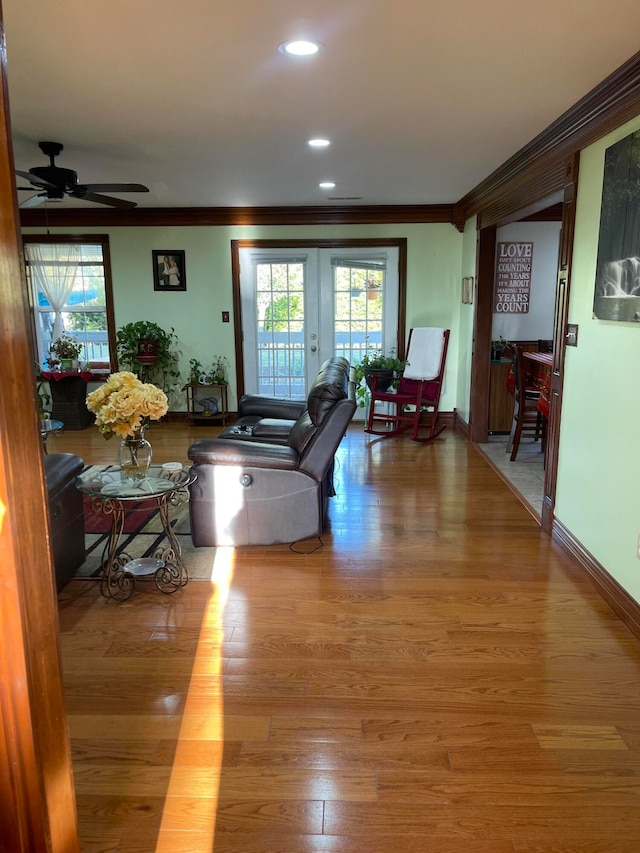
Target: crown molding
612 102
552 213
208 216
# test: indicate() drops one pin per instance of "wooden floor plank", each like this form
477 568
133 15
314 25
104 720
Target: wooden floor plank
438 676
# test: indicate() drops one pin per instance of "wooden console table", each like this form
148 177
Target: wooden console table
500 400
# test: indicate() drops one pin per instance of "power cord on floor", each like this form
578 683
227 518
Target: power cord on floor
292 546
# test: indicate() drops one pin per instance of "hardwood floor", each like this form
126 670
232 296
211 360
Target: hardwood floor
439 677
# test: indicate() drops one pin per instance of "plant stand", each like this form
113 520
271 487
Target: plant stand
196 392
68 399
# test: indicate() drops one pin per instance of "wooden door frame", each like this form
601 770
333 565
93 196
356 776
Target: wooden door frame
482 327
399 243
563 287
483 321
37 802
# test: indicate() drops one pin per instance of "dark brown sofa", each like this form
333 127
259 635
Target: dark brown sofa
65 514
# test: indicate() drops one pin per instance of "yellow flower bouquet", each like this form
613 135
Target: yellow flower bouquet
124 405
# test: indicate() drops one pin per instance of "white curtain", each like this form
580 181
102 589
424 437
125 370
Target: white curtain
54 269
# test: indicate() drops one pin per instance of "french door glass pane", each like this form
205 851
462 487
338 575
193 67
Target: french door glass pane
280 307
359 299
303 304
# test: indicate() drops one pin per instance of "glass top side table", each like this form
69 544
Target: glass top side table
47 426
112 492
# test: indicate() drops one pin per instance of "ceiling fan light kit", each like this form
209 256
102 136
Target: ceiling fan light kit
54 182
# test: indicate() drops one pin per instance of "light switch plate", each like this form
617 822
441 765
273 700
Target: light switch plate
572 335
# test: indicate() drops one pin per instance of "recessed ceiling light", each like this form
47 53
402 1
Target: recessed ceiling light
300 47
327 185
318 143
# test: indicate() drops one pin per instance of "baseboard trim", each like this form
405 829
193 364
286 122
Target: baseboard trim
444 418
460 425
183 417
616 596
447 418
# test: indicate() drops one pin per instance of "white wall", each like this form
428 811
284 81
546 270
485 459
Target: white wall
538 322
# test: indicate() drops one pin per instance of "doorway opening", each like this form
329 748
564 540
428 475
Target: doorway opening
559 207
530 330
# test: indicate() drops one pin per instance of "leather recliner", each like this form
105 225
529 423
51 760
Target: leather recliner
263 418
252 491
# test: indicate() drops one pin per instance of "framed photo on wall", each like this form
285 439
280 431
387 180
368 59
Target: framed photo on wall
617 286
169 272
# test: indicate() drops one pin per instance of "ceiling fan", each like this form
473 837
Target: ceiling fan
54 183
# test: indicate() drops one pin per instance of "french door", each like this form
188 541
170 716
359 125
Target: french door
301 305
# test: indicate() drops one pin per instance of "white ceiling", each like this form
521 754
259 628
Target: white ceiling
422 98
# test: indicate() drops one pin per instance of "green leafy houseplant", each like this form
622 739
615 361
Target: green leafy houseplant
375 361
499 348
195 371
216 374
65 347
218 370
146 349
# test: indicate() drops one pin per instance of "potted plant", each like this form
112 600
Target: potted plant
215 375
195 372
387 369
374 287
147 349
499 348
65 349
218 370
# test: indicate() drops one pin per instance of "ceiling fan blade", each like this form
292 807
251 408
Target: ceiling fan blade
114 188
102 199
34 201
34 179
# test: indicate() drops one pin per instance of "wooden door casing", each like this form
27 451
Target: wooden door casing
559 337
36 788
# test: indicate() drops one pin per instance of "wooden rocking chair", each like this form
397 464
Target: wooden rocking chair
418 389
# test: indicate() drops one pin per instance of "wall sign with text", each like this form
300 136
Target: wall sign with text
513 278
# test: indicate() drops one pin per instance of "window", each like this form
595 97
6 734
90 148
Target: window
70 284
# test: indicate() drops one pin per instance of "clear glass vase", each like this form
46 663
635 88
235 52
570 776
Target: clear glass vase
135 455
